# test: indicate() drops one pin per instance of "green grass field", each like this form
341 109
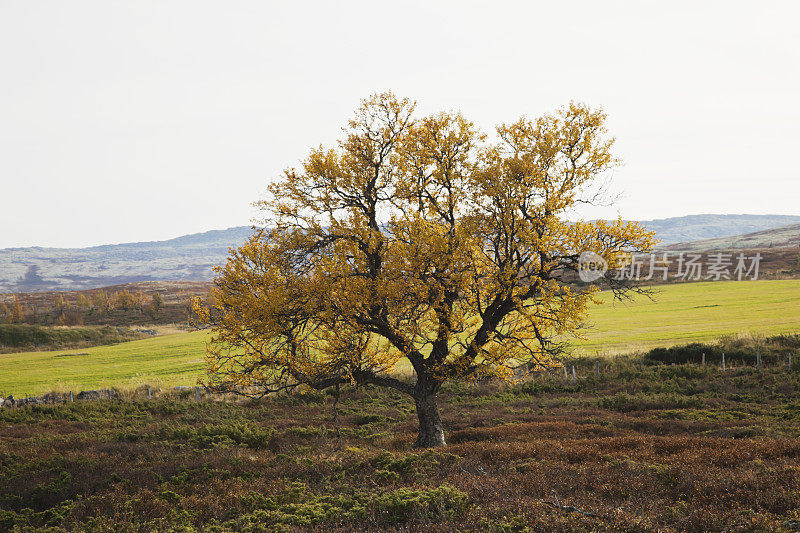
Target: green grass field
679 314
693 312
168 360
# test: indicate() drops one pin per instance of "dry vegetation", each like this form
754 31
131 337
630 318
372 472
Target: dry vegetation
685 447
776 263
148 302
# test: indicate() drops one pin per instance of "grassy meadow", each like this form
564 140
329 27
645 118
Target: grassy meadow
167 360
678 313
693 312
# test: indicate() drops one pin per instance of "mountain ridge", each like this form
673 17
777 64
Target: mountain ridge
709 226
781 237
192 257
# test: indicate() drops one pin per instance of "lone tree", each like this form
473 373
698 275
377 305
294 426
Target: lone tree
416 242
156 303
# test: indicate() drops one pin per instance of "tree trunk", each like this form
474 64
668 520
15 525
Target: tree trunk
431 433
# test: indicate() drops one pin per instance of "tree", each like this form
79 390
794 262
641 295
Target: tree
61 304
102 301
156 303
66 313
124 300
18 312
139 301
83 301
417 242
62 307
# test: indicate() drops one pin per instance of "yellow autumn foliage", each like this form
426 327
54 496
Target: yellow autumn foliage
417 239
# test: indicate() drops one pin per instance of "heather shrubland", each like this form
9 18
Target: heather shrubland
640 446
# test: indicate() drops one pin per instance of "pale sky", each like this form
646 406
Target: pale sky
146 120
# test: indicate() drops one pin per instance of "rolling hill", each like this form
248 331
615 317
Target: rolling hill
187 258
783 237
192 257
699 227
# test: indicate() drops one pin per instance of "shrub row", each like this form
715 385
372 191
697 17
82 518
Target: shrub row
30 336
773 350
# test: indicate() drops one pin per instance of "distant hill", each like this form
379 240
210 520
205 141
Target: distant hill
192 257
783 237
700 227
187 258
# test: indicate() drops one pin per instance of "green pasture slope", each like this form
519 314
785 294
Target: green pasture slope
168 360
693 312
680 313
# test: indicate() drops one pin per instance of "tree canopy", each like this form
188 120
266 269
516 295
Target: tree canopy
416 251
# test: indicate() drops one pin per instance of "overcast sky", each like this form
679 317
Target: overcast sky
145 120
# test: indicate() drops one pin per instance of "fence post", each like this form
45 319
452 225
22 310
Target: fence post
148 392
723 360
70 396
197 394
565 371
573 373
704 359
597 367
